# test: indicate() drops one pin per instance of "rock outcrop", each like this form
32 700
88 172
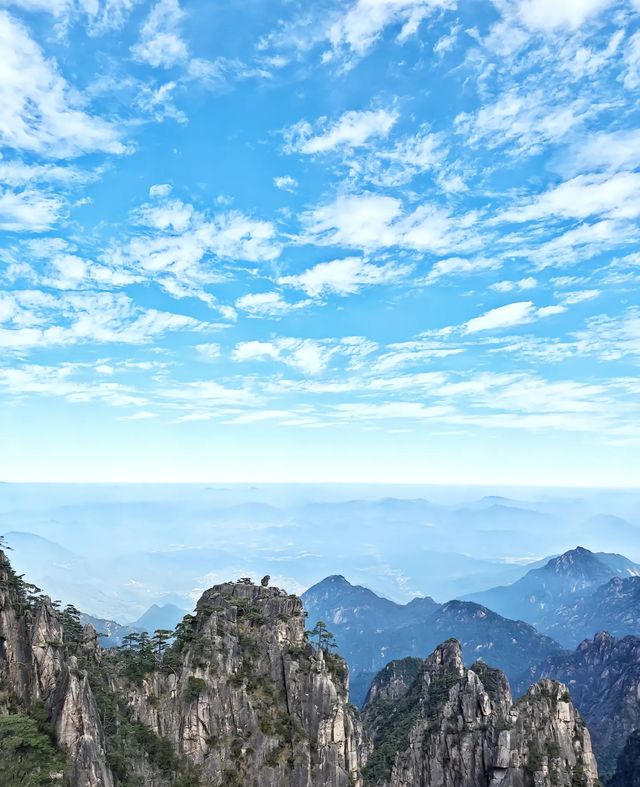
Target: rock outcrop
603 675
36 673
237 697
244 699
458 727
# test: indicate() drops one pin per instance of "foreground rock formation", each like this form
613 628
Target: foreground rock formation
604 675
237 696
240 697
244 699
457 727
37 676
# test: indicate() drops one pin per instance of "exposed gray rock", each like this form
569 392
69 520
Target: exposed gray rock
603 675
457 727
250 701
36 671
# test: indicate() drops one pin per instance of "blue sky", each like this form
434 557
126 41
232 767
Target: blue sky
375 240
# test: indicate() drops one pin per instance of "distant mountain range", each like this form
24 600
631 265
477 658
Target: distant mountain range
371 631
115 551
572 596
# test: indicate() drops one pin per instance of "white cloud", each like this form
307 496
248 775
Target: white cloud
583 242
160 44
17 173
447 42
344 277
157 101
361 221
611 338
358 28
548 15
306 355
373 221
38 110
529 121
172 215
160 190
632 62
210 350
254 350
267 304
408 158
453 266
33 318
101 15
411 353
579 296
178 242
352 129
502 317
616 196
604 150
528 283
285 182
509 315
66 381
29 210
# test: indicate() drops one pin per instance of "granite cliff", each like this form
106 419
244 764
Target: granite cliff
237 696
457 727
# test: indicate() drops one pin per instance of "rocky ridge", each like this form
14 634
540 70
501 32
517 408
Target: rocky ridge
371 631
603 675
237 696
458 727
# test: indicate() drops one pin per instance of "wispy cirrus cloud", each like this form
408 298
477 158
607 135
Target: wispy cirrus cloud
353 129
344 276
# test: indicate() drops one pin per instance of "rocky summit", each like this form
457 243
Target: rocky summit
604 676
458 727
239 697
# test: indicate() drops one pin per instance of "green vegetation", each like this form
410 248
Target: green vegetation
28 756
324 639
394 719
195 687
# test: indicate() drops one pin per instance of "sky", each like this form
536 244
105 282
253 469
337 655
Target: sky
360 241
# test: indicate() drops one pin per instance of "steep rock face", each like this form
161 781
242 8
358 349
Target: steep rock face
246 700
604 677
36 672
394 680
457 727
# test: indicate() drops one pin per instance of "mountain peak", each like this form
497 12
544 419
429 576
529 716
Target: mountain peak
447 656
578 561
335 579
